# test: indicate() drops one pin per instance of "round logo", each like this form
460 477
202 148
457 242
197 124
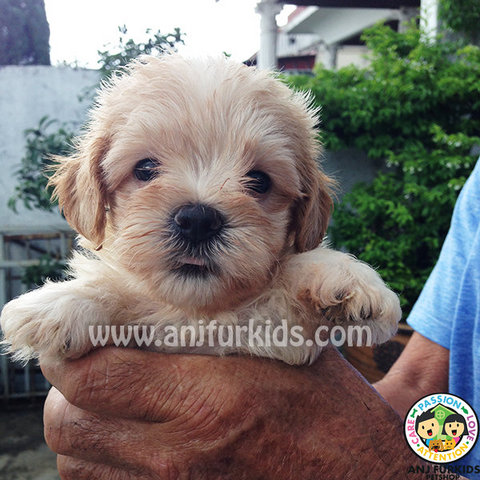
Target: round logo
441 428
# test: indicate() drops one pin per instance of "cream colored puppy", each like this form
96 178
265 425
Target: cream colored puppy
197 196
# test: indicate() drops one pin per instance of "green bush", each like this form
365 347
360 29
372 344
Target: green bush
47 268
462 16
47 139
416 109
128 49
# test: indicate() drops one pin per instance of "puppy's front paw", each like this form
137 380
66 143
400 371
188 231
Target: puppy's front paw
352 292
28 330
42 323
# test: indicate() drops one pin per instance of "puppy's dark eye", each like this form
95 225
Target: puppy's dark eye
146 169
258 181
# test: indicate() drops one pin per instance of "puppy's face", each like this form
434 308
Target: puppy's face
197 177
449 444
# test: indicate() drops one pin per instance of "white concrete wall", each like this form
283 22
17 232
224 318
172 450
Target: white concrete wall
346 55
26 95
291 44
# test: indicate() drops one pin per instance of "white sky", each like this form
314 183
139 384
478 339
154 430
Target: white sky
78 28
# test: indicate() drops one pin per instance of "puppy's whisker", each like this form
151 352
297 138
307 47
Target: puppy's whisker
223 184
142 234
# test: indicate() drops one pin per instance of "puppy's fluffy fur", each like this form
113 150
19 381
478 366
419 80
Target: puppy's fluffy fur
207 123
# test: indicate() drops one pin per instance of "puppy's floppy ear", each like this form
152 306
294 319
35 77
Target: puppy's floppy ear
311 213
80 189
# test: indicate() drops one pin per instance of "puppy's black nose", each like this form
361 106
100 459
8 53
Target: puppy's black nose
197 222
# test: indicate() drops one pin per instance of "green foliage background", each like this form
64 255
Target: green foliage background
128 49
47 139
415 109
462 16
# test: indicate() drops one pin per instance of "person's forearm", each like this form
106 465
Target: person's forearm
421 369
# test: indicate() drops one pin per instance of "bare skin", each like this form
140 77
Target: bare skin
129 414
412 376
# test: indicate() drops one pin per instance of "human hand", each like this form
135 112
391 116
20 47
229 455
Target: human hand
130 414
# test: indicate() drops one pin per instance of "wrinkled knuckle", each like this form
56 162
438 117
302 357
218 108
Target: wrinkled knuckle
172 401
119 375
68 468
82 436
52 434
207 417
54 416
73 435
57 438
159 467
79 387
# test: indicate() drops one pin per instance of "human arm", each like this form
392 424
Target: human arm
421 369
128 414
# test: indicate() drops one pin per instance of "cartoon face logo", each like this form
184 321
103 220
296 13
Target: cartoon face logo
454 426
427 426
441 428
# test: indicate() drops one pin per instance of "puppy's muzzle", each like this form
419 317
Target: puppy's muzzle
197 222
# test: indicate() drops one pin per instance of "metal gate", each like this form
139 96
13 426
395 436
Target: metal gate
20 254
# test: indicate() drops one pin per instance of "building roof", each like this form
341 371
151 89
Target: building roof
338 23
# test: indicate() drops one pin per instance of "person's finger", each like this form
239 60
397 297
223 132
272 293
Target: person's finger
73 432
126 382
70 468
150 386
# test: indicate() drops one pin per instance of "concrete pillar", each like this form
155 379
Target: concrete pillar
267 55
332 50
429 18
